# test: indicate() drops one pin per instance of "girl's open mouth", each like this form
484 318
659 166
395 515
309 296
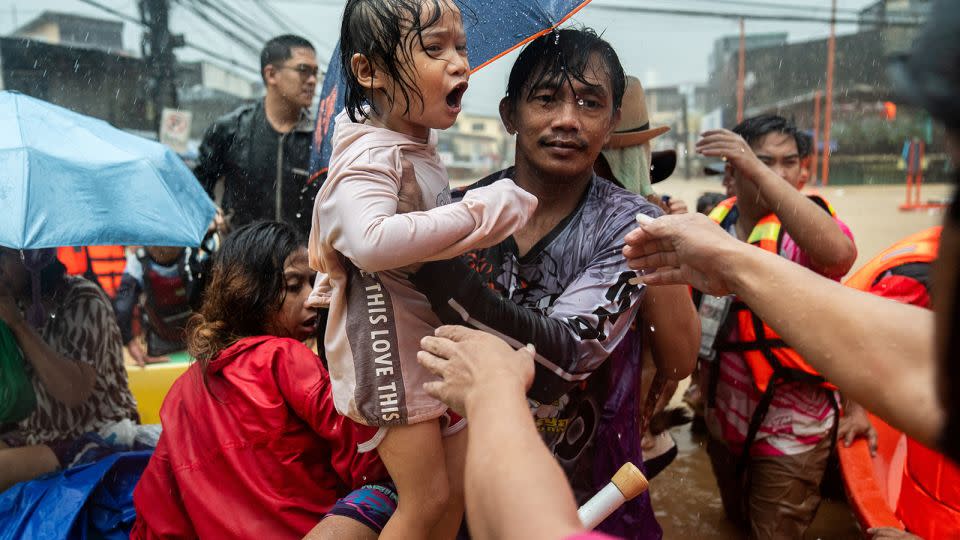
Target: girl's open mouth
455 97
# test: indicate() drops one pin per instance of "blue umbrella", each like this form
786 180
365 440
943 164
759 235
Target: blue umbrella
494 28
71 180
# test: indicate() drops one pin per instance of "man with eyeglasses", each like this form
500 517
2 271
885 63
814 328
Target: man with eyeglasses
261 151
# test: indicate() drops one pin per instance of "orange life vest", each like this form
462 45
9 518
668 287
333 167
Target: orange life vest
764 352
929 503
104 264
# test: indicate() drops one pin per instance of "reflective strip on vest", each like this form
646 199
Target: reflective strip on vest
765 362
766 229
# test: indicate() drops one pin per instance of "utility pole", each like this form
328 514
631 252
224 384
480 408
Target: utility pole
741 71
828 114
157 47
815 173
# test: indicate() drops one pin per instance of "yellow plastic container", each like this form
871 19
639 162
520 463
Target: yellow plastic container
150 385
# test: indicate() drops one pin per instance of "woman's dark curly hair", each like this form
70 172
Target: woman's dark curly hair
246 285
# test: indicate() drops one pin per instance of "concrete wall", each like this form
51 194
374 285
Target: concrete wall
91 82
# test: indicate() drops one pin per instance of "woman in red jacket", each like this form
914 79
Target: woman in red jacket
252 446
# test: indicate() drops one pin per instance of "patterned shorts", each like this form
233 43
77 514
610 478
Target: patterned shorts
372 505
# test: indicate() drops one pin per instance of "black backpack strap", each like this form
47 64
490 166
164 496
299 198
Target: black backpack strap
763 406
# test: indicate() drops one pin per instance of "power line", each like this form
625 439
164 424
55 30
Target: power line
221 57
244 15
255 34
754 16
286 25
778 5
188 44
115 13
243 42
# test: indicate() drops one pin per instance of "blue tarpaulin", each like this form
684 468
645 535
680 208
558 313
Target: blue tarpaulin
89 501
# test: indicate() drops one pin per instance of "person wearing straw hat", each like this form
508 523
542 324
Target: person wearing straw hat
629 160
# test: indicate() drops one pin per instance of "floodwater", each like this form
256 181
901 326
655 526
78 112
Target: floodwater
687 503
685 495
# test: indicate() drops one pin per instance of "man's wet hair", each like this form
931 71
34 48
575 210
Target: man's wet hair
804 143
560 57
757 127
377 29
279 49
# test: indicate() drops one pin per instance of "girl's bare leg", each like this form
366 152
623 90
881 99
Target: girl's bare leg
414 457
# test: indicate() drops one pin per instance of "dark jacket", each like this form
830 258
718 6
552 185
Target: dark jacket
265 172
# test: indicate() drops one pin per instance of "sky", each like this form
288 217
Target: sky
661 50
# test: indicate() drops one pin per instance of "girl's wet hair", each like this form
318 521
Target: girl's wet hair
379 31
561 57
246 286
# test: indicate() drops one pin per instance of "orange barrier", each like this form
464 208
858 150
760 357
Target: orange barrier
915 152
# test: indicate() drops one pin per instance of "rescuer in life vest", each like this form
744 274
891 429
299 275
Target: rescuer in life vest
772 420
102 265
165 283
929 502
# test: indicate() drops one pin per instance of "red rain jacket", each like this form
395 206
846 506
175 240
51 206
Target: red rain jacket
261 454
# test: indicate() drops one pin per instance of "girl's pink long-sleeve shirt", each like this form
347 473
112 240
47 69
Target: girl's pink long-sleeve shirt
358 243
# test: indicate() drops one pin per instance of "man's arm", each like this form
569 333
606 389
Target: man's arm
209 168
124 304
585 324
878 352
673 329
514 486
832 253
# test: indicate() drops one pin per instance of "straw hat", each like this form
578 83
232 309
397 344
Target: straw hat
634 127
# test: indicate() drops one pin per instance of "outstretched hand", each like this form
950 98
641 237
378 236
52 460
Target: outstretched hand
470 363
683 249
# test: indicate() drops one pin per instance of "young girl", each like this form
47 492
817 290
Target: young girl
252 446
405 63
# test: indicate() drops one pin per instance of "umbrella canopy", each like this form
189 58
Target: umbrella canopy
71 180
494 28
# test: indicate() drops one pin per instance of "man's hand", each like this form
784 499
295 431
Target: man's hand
669 205
685 249
730 147
470 363
411 198
854 424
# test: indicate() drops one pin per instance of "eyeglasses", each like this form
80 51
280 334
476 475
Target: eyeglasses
304 70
